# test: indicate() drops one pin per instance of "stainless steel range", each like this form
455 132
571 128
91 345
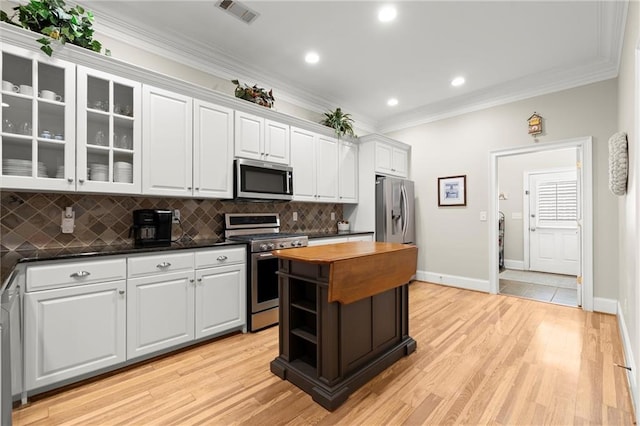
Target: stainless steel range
262 233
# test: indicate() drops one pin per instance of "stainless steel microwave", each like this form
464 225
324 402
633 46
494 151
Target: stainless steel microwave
259 180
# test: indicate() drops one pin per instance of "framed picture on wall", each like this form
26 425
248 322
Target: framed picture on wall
452 191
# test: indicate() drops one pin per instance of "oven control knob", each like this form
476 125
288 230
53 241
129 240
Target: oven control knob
282 245
271 246
295 243
263 247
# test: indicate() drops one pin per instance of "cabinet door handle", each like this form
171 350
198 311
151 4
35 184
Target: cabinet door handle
188 188
266 155
163 265
80 274
199 280
221 258
197 189
70 180
121 291
81 180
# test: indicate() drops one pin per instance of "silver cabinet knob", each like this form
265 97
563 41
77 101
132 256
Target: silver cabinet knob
199 280
81 180
163 265
191 280
70 180
222 258
121 292
80 274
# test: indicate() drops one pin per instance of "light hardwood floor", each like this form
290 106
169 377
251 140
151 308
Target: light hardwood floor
481 359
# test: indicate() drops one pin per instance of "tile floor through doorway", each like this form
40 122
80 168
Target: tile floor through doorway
553 288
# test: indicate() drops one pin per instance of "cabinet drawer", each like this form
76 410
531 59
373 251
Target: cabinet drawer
65 274
160 263
218 257
324 241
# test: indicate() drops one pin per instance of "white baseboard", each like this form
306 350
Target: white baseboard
454 281
514 264
604 305
628 357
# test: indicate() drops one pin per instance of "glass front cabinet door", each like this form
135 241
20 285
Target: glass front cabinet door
109 137
38 118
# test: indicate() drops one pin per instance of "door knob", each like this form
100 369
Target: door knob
532 229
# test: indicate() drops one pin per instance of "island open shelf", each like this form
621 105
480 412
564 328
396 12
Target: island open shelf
343 315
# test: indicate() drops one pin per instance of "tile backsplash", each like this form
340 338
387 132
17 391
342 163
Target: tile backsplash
32 220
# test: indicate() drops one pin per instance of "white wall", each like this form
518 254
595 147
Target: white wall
510 181
452 240
628 121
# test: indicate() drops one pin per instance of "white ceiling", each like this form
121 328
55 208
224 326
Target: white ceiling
506 50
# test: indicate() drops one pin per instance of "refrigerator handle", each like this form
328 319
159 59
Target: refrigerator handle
405 208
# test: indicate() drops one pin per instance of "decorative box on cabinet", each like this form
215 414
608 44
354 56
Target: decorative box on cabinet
258 138
109 133
74 319
314 159
38 146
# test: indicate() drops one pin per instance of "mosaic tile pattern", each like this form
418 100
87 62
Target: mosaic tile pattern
32 220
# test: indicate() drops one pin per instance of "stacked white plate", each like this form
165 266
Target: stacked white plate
99 172
60 172
123 172
18 167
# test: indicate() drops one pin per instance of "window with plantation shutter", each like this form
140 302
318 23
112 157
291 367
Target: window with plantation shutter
557 202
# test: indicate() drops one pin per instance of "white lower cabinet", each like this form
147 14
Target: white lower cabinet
339 239
220 299
159 312
84 316
72 331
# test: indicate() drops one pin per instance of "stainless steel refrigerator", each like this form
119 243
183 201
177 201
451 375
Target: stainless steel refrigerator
395 210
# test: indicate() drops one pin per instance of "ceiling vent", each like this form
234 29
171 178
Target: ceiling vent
238 10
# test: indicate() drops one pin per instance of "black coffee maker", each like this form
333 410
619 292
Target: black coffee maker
151 228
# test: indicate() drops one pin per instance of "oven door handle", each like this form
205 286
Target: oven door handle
265 255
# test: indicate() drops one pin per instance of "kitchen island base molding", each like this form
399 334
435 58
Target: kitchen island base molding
331 397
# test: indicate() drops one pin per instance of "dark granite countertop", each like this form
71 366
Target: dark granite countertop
9 259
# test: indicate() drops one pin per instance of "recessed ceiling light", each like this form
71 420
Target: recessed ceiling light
458 81
387 13
392 102
312 58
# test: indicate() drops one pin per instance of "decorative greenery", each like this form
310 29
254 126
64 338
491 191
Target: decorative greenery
52 19
254 94
341 122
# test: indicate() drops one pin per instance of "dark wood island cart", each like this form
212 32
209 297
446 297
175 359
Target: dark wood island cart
343 315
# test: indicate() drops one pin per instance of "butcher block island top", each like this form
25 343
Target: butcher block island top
344 315
359 269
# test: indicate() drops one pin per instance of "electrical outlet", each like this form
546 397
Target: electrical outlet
176 216
333 215
295 216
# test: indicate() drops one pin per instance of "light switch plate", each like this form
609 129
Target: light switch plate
333 215
295 216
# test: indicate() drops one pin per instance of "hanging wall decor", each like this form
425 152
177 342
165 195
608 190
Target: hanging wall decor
535 124
618 163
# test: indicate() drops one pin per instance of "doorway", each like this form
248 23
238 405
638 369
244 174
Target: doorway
581 152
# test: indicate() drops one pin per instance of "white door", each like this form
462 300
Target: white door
220 299
249 137
348 172
553 230
326 169
303 163
167 143
72 331
159 312
212 151
276 142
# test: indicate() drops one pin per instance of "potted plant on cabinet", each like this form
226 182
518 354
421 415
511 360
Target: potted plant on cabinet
254 94
341 122
58 23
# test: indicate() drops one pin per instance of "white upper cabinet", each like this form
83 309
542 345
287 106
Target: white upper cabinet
314 159
260 139
391 160
304 165
167 143
327 169
348 172
276 142
212 150
109 133
38 121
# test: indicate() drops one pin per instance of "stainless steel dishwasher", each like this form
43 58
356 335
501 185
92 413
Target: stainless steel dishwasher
10 329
